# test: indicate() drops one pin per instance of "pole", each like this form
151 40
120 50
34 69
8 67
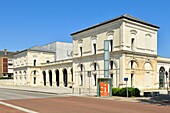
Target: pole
106 59
89 86
126 89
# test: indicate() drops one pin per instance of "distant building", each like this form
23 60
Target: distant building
27 65
63 50
6 63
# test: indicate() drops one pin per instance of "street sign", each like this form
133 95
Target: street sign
88 73
125 79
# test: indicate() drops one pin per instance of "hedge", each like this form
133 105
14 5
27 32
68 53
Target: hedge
122 92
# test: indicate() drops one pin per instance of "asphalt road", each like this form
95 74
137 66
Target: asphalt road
14 101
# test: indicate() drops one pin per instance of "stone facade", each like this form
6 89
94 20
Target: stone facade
27 65
133 54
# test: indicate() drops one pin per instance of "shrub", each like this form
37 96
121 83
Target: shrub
122 92
116 91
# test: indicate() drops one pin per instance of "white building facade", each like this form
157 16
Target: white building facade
27 65
133 54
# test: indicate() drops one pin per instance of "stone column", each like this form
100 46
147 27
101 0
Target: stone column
54 78
61 77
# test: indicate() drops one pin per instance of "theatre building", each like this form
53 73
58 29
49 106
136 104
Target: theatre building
133 55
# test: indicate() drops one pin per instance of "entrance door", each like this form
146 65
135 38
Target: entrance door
50 77
57 78
65 77
161 77
44 78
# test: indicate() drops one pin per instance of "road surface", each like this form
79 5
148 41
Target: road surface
43 103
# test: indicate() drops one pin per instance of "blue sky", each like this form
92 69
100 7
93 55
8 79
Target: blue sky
26 23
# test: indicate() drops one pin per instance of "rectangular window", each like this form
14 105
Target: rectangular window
10 64
81 80
34 62
111 76
81 52
34 72
132 65
132 77
34 80
111 45
81 66
132 44
94 48
95 66
111 64
95 80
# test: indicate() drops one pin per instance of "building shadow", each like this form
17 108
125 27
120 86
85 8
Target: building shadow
161 100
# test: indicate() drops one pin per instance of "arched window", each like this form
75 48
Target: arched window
161 77
65 77
133 65
80 48
81 75
57 77
50 77
133 39
111 43
148 75
94 50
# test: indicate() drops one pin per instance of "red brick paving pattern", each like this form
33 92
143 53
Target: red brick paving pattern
86 105
5 109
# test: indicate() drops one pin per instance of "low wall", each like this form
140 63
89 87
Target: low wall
6 82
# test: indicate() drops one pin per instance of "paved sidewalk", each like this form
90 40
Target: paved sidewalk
160 100
50 90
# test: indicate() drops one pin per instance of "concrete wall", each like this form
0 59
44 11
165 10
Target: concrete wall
63 50
6 82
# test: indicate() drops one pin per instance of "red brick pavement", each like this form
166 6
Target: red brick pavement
86 105
5 109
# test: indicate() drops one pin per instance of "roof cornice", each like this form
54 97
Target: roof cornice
126 16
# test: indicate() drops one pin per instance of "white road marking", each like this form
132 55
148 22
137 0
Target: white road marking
17 107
